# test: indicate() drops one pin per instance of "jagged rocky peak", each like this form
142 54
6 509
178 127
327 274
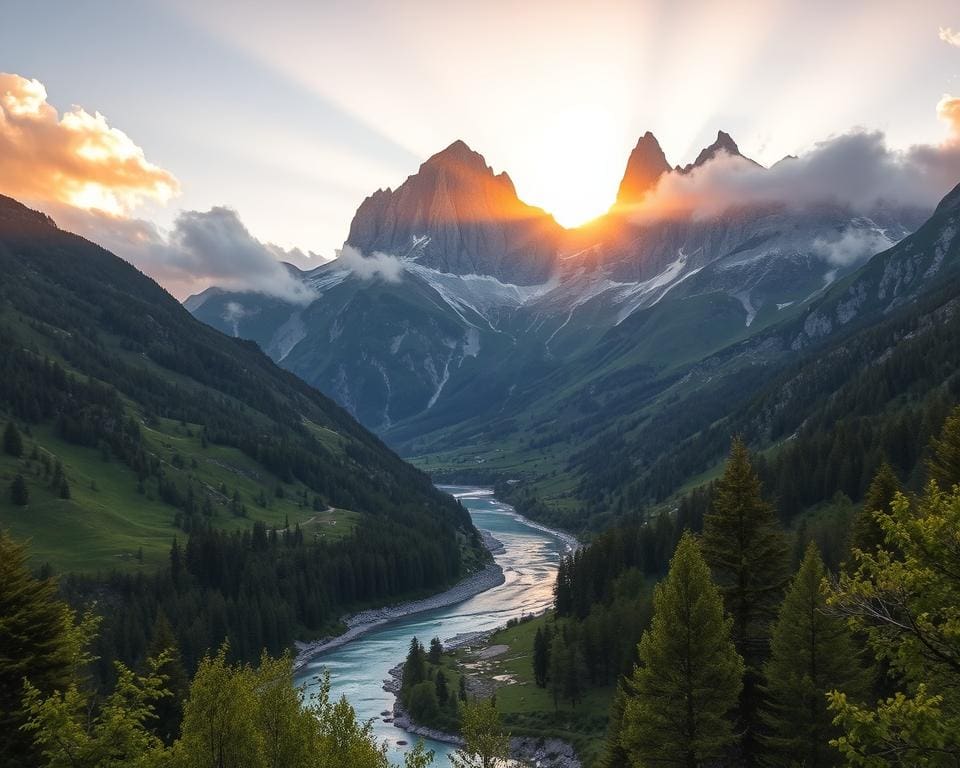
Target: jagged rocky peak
646 165
456 215
724 143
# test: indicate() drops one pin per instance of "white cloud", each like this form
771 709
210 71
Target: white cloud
856 169
204 248
382 265
852 247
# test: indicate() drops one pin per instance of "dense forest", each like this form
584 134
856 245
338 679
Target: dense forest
750 649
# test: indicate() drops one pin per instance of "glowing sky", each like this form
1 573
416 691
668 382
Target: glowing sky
292 112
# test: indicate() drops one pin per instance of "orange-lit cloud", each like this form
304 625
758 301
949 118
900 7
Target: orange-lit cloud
949 111
77 158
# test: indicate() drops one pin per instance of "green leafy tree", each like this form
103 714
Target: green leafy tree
219 727
904 598
19 493
71 733
812 653
40 641
486 745
747 553
943 466
12 440
418 757
689 676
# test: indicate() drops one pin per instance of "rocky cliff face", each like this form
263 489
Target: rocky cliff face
455 215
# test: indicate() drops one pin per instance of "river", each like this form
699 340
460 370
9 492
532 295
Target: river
529 561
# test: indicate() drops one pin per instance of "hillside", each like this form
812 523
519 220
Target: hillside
158 425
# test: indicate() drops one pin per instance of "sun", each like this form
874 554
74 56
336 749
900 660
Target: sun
573 170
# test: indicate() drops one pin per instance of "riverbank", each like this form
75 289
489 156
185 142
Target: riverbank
543 752
492 576
361 623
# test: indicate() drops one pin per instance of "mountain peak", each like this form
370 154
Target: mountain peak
455 215
645 166
458 154
723 143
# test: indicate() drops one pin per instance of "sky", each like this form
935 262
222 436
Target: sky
275 120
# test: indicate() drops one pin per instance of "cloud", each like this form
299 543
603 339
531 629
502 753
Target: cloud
852 247
382 265
78 159
856 169
949 36
948 110
204 248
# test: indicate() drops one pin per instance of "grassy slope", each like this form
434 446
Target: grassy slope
106 522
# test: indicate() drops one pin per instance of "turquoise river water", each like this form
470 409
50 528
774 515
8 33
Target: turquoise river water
529 561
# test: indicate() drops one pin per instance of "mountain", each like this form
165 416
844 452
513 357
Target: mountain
723 144
456 216
141 422
645 166
482 378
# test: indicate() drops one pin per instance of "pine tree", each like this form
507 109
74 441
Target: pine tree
541 658
747 553
689 676
436 651
558 668
12 441
19 493
39 642
574 675
414 668
440 684
812 653
944 466
866 533
168 710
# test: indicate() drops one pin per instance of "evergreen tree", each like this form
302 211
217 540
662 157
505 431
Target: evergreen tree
867 534
436 651
541 658
558 668
614 755
19 493
747 553
443 692
812 653
39 642
462 688
12 441
168 710
574 675
689 676
943 466
414 668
